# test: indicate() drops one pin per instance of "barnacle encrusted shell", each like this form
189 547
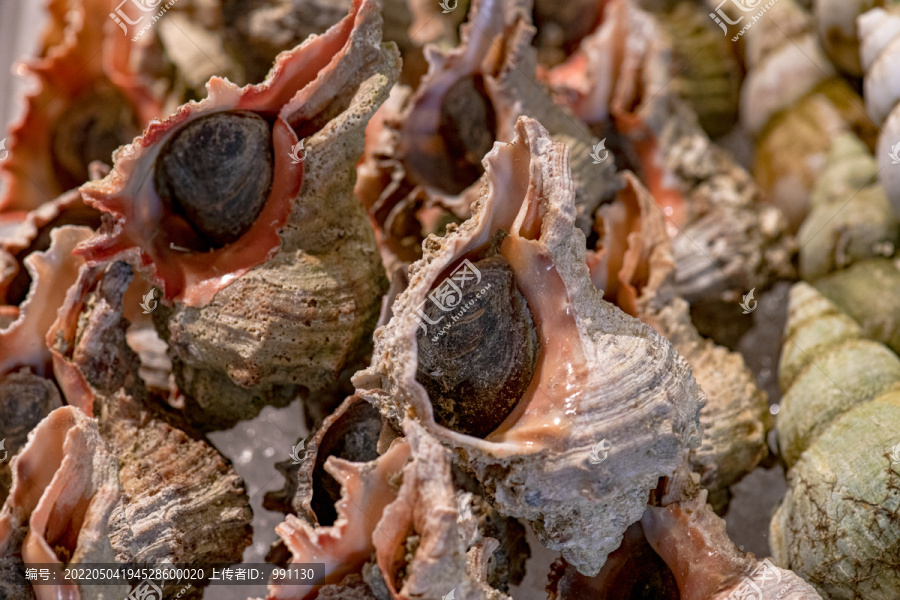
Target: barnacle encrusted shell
840 417
71 120
879 32
601 375
292 301
65 486
850 217
692 541
633 265
182 500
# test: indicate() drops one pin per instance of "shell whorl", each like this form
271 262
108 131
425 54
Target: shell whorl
837 525
879 31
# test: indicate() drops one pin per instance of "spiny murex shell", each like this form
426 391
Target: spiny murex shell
248 332
601 377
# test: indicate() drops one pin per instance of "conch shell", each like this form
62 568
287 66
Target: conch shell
724 241
836 23
69 120
532 448
839 420
850 219
65 487
633 266
230 282
424 149
879 30
161 462
425 539
22 342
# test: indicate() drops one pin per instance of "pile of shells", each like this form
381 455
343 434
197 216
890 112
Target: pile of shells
505 258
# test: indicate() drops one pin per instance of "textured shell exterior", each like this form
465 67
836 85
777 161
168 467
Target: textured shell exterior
182 500
879 30
622 73
687 533
839 420
794 145
65 486
426 506
76 33
735 418
859 290
745 242
795 104
851 218
601 374
398 176
293 301
710 79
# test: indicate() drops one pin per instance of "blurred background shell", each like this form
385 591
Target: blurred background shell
879 31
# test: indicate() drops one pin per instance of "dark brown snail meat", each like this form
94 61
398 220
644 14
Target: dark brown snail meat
478 359
467 123
216 172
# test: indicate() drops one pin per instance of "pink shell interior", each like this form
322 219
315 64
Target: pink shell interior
619 72
347 545
77 41
149 236
57 491
53 272
633 250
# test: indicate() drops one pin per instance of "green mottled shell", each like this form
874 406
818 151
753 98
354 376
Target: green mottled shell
814 324
839 524
869 292
820 370
833 384
851 218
